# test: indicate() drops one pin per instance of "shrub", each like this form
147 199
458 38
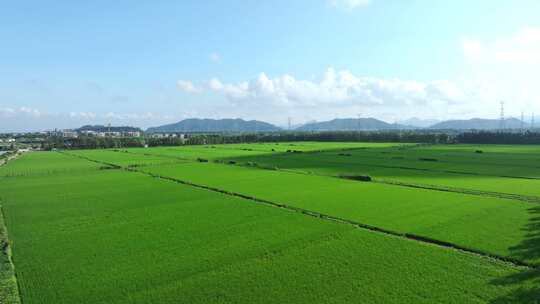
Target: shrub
108 168
362 178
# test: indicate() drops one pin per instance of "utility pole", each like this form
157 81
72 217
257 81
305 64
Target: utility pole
359 124
522 122
290 123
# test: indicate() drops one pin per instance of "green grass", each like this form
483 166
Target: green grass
120 237
85 235
44 163
483 223
121 158
9 292
249 150
392 170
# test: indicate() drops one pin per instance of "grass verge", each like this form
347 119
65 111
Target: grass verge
9 291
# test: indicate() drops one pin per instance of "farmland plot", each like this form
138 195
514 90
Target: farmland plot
488 224
335 164
111 236
121 158
44 164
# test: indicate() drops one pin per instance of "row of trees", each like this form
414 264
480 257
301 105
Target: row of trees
527 137
91 142
417 136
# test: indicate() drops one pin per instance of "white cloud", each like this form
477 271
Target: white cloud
134 116
6 112
214 57
338 94
349 4
504 68
30 111
522 47
335 89
21 111
472 49
82 115
30 119
187 86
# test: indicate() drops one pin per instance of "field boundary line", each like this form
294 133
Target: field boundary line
403 235
518 197
9 285
465 191
406 235
435 170
413 168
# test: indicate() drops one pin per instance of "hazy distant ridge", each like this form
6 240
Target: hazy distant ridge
338 124
478 124
215 125
351 124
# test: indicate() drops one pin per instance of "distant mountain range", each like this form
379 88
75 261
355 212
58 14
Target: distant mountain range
195 125
478 124
215 125
101 128
351 124
418 122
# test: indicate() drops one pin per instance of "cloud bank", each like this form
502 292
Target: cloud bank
31 119
522 47
335 91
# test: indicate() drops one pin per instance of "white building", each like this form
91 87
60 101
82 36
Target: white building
70 134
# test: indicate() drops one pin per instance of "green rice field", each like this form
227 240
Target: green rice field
289 222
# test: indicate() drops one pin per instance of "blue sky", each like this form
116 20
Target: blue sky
65 63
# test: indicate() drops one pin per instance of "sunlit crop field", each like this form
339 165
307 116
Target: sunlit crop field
275 223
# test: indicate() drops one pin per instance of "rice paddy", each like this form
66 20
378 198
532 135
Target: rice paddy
273 223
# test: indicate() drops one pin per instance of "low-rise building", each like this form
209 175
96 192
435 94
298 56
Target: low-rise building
70 134
132 134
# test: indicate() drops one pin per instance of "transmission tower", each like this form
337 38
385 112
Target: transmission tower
502 120
522 128
532 121
289 123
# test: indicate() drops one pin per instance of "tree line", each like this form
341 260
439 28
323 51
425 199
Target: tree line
416 136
